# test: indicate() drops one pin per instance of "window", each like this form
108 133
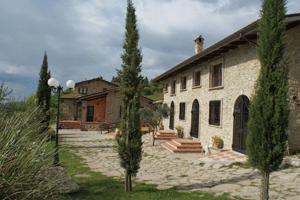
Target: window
197 78
166 87
82 90
183 83
215 113
182 111
173 87
120 112
216 76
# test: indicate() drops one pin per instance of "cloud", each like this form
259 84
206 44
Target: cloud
83 39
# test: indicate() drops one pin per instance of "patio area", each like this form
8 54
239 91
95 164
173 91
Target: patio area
218 173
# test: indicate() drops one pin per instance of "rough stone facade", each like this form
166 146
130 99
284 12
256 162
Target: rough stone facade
240 72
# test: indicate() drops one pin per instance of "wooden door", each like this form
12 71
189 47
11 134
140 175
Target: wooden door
172 113
195 119
241 116
90 114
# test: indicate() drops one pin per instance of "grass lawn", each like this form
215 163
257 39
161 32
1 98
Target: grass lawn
96 186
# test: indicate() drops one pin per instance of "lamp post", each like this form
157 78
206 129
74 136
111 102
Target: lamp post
57 88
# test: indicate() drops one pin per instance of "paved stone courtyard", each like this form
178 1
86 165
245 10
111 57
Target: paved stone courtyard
188 172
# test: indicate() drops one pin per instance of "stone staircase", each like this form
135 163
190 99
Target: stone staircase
183 146
165 135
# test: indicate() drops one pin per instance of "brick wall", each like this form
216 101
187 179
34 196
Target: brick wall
99 109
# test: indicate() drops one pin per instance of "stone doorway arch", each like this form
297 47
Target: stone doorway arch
195 115
172 113
240 120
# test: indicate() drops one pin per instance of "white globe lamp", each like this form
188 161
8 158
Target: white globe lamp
70 84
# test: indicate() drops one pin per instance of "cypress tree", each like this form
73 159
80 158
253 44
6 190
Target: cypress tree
44 92
130 141
266 141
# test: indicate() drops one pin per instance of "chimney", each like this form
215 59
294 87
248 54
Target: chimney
199 44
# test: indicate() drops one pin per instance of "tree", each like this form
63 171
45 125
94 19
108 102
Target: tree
153 117
44 91
130 141
4 93
266 141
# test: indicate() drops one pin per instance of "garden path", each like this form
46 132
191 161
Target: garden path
188 172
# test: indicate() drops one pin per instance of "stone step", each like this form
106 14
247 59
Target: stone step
164 138
173 149
187 142
165 135
183 146
166 132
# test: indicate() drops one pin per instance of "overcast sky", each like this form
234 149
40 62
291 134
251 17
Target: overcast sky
83 38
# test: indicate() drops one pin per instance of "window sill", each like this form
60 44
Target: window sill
215 126
183 90
172 95
197 86
216 88
183 120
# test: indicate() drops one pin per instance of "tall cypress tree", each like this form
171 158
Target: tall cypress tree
44 92
266 141
130 142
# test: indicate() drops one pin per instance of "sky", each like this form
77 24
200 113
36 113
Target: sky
83 38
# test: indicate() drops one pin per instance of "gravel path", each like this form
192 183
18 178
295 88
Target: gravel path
189 172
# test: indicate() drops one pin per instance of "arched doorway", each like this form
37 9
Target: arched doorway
195 119
172 113
240 120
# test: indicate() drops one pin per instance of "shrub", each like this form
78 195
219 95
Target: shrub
218 142
180 132
25 158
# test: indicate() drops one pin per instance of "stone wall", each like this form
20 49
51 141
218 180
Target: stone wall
113 107
293 59
68 109
240 71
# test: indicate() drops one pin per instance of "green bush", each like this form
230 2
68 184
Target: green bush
218 142
180 132
25 158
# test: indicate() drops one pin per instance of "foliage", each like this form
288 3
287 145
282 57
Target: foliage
4 92
94 185
153 117
10 106
130 141
180 131
218 142
24 160
268 121
43 94
149 89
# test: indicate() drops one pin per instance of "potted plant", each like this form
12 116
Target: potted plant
218 142
180 133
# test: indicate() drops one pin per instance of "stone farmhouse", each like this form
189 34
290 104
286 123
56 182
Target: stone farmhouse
209 93
93 102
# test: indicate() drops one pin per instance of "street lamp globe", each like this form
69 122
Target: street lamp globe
52 82
70 84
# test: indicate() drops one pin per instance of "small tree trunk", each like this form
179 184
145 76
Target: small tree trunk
130 183
126 181
153 135
264 192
